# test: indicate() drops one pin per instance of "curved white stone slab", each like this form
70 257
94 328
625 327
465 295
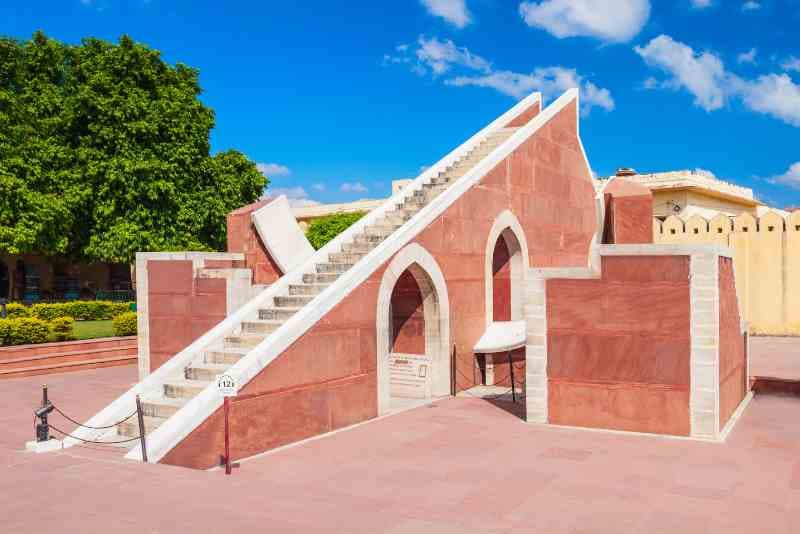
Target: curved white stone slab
501 336
280 233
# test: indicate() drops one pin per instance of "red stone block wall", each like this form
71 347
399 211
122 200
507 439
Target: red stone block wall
408 318
732 352
181 307
618 347
502 370
524 118
629 213
243 237
327 378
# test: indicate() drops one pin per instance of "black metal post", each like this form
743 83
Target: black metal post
511 371
140 416
2 308
453 371
43 428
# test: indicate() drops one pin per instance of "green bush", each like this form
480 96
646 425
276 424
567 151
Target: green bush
324 229
63 328
80 310
15 309
27 330
5 331
125 324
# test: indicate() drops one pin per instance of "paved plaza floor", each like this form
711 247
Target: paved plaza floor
461 465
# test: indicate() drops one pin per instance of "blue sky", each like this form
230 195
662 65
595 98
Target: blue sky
336 99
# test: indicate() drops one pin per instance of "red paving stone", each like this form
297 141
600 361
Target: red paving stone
461 465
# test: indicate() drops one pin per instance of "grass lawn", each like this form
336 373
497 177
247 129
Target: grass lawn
93 329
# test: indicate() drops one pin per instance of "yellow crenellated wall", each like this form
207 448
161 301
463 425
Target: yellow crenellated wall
766 262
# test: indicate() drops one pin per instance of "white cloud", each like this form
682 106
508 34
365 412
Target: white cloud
773 94
273 169
318 186
440 56
701 4
353 187
551 81
791 63
468 69
607 20
791 177
453 11
296 196
705 77
751 6
747 57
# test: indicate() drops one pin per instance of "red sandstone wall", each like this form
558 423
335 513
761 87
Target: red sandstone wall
524 118
502 371
501 281
629 213
732 356
618 347
327 379
243 237
408 319
181 308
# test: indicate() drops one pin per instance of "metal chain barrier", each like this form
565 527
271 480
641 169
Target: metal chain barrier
42 429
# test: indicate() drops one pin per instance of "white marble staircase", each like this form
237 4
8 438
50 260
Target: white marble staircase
201 372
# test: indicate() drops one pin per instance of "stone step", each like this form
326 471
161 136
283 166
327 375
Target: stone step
396 218
310 289
244 340
227 356
260 327
292 301
352 247
161 406
368 239
205 371
332 267
184 389
276 314
345 257
384 230
130 428
442 179
321 278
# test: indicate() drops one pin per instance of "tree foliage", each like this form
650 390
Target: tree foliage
322 230
104 152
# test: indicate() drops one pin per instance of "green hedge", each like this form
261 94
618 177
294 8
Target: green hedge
322 230
63 328
125 324
80 310
24 330
15 309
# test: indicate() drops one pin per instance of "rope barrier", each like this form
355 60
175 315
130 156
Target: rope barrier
71 420
93 441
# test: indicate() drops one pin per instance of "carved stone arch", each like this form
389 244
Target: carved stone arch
506 226
436 309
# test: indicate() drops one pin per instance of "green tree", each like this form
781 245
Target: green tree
104 152
324 229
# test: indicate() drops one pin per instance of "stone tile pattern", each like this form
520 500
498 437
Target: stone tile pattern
181 307
732 353
629 210
243 237
327 378
408 319
704 405
618 347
